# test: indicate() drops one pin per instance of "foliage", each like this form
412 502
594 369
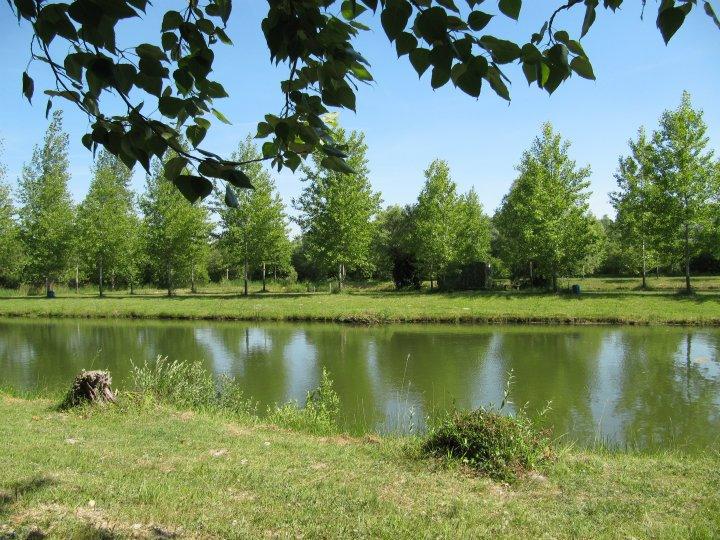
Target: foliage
319 416
685 183
544 220
435 219
633 204
314 39
11 249
254 231
107 221
500 446
175 232
473 230
393 247
46 211
337 210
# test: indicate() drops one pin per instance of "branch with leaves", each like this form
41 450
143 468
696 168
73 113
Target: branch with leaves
313 37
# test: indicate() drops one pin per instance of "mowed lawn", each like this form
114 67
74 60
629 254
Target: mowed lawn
378 306
150 472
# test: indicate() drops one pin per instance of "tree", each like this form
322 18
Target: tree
684 183
472 242
314 39
544 221
255 230
106 220
393 246
175 232
337 210
436 220
46 210
11 250
633 202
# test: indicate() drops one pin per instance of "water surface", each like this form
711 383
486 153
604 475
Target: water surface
642 387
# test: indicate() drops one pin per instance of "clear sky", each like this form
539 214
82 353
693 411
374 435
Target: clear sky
406 123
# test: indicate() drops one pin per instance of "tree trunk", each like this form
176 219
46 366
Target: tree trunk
644 266
554 282
192 281
90 387
340 277
531 275
112 281
169 280
132 286
48 289
263 275
77 279
688 289
245 276
100 281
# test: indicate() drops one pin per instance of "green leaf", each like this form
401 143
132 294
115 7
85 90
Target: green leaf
432 24
440 76
510 8
477 20
337 164
394 17
220 116
351 9
193 187
237 178
28 86
230 198
405 43
171 20
589 18
711 13
669 21
196 134
174 167
420 60
582 67
494 77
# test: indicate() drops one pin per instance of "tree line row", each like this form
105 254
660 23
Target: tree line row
667 215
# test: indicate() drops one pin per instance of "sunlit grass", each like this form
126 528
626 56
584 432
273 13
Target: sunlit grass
378 306
153 471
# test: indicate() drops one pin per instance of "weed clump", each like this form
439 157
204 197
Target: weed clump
318 416
189 385
500 446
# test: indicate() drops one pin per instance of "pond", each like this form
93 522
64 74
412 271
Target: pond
639 387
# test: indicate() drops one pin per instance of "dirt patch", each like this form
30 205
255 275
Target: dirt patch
237 431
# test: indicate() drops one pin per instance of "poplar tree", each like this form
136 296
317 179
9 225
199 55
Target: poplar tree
254 232
46 209
106 220
684 183
436 220
175 232
633 202
337 209
472 238
544 220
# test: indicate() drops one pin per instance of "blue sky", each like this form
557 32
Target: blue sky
406 123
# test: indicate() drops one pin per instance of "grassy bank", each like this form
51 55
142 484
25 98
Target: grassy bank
153 472
382 306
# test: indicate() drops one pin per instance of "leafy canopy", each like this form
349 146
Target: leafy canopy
313 38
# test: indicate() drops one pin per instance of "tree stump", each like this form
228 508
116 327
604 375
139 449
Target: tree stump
90 387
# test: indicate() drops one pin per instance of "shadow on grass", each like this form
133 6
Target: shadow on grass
20 489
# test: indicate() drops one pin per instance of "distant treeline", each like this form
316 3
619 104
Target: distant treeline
667 204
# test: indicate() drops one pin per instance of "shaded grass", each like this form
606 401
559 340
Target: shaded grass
155 471
370 307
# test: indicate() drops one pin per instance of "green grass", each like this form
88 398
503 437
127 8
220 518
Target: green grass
383 306
151 471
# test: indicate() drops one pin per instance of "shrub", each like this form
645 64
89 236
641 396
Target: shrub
319 416
495 444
